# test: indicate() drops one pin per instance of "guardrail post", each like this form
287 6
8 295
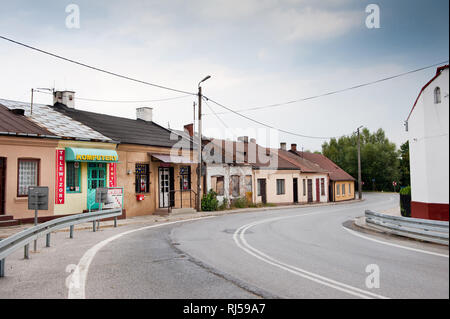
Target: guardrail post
26 251
98 224
71 231
2 267
47 240
93 226
115 221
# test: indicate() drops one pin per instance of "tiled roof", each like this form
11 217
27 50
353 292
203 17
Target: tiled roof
122 129
304 164
55 122
14 124
336 173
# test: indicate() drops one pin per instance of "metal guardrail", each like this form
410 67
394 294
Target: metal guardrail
25 237
424 229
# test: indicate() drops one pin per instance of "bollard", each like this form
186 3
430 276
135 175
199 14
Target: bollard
98 224
71 231
26 251
115 221
47 240
2 267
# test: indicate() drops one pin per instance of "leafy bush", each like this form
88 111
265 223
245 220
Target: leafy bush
405 190
240 202
209 201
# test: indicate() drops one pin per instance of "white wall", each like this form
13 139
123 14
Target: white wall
428 129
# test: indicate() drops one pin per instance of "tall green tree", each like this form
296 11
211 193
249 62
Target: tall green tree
379 158
405 178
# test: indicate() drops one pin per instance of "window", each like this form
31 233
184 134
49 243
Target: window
322 186
437 95
234 186
217 184
349 188
280 186
248 183
73 177
259 187
304 187
343 189
185 178
28 175
338 189
142 178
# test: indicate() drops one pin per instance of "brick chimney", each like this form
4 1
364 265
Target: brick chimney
144 113
283 146
190 129
65 97
294 147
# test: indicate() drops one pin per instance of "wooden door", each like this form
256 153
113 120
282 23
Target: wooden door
262 185
295 190
2 185
317 190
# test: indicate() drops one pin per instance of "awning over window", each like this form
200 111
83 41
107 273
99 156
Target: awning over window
176 159
94 155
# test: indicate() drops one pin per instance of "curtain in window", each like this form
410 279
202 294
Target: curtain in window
28 176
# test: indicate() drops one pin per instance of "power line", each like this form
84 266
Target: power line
95 68
272 127
124 101
336 91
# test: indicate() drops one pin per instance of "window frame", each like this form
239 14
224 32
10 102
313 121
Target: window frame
304 187
338 189
246 179
281 191
437 95
322 187
136 174
38 172
182 176
343 189
234 178
79 178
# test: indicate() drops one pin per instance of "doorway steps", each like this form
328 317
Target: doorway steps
8 220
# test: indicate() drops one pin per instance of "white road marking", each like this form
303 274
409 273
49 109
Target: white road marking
243 244
77 283
395 245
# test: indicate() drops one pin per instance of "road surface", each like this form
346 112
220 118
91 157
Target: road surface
304 252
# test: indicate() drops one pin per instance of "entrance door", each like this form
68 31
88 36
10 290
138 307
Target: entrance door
96 178
310 194
2 185
317 190
164 187
262 189
295 190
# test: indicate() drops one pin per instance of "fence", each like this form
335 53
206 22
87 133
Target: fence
424 229
25 237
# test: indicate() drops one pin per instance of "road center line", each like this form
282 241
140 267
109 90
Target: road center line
239 238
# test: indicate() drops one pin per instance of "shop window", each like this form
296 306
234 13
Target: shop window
280 187
28 175
338 189
73 177
142 178
322 186
217 185
185 178
234 186
248 183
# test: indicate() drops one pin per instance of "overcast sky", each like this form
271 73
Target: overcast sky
258 52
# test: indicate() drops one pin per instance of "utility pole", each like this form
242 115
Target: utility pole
199 149
359 166
31 108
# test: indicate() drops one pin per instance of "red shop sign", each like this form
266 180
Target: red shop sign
112 174
60 176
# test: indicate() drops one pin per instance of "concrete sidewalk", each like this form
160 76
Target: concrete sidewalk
152 219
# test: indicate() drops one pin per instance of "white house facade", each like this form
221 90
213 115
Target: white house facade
428 129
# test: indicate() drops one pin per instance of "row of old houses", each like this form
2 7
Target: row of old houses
74 152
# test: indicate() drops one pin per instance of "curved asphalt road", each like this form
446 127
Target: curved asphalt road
302 252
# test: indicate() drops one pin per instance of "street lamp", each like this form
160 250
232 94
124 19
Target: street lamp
199 174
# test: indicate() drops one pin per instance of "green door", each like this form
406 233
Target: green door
96 178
